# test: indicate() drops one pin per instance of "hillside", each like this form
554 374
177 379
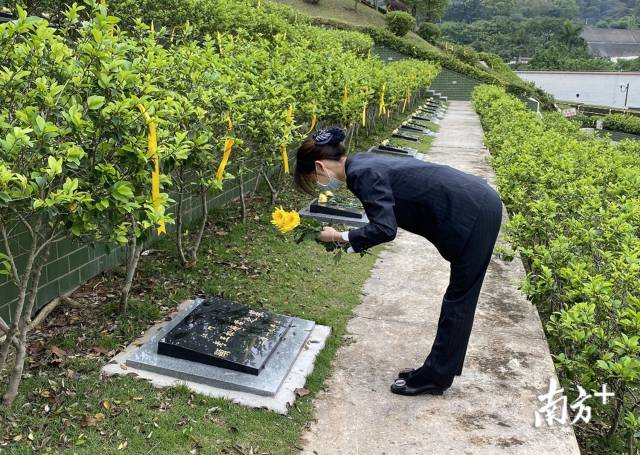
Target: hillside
484 67
344 11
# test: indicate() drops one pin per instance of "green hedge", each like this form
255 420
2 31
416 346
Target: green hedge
574 202
624 123
621 122
399 22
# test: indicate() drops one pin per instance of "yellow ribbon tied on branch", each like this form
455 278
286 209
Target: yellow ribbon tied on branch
152 153
314 122
382 109
283 147
364 115
219 38
229 122
226 152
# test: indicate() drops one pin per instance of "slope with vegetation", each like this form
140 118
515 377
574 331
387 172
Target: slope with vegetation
484 67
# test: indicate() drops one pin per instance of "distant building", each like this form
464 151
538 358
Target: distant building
612 43
520 61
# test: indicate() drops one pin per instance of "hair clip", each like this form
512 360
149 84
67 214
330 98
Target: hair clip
330 136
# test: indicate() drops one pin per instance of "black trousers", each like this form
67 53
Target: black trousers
460 300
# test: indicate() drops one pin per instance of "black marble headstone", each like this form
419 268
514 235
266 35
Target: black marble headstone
418 117
330 208
226 334
406 136
399 149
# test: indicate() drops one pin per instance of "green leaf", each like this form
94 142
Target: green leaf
95 102
55 166
122 191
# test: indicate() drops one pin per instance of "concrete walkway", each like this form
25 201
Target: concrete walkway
490 408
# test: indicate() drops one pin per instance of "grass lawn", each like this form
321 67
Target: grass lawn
66 407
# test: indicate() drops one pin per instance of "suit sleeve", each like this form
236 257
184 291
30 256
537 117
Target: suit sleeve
374 191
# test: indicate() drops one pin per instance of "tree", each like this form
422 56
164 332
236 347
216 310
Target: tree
499 7
72 153
569 34
429 32
430 10
399 22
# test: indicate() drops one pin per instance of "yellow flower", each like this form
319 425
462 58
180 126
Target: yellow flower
292 222
322 199
278 216
285 221
328 193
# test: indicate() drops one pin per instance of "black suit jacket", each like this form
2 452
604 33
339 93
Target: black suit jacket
435 201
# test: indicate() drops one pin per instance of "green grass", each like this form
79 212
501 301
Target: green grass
66 407
249 263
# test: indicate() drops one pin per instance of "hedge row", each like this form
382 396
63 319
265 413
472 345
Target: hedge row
624 123
574 202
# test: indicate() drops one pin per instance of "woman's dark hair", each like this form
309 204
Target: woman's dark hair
324 145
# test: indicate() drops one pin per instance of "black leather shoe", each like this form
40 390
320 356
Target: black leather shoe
406 372
400 387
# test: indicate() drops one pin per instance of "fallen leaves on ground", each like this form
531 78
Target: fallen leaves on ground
301 392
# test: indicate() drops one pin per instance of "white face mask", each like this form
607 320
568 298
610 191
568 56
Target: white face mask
332 185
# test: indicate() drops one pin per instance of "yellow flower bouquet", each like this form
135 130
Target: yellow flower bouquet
287 221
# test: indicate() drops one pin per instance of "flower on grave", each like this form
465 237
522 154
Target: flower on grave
322 199
285 221
308 230
328 193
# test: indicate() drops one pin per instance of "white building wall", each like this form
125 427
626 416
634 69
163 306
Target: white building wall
602 89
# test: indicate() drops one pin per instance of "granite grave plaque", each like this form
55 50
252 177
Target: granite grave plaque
397 153
337 207
398 148
413 130
405 136
226 334
426 119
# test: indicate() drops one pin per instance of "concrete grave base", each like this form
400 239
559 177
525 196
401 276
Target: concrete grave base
273 389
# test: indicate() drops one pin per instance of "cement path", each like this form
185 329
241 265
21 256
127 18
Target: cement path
490 408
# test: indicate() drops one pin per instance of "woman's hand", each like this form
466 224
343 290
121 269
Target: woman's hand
329 234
